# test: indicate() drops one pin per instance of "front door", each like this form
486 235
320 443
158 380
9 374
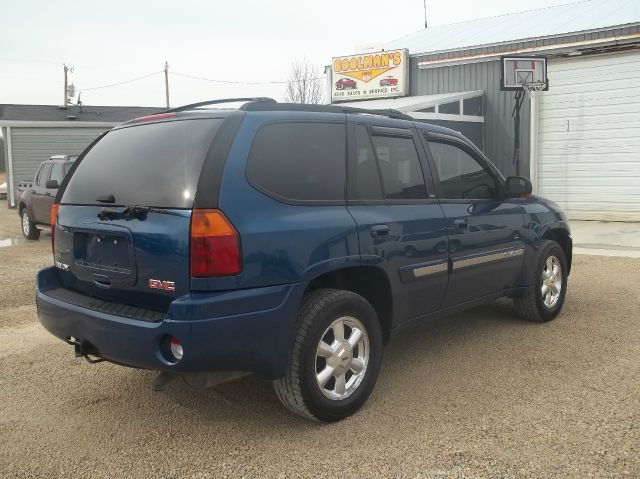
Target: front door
401 227
485 231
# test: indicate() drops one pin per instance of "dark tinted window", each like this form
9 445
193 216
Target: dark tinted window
473 106
452 108
57 173
44 174
156 164
429 109
364 179
400 168
460 175
299 161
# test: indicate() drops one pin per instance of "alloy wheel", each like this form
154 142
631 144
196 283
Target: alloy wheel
551 282
342 357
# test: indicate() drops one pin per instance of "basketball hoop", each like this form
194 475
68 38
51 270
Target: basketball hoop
534 88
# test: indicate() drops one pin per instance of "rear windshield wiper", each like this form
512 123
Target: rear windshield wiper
133 211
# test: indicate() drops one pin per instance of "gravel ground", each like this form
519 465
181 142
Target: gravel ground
480 394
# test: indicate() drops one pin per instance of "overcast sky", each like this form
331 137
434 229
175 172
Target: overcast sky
233 40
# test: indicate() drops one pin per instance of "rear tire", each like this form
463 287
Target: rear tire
335 359
547 288
29 230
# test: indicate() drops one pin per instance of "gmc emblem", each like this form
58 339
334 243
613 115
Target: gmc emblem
164 285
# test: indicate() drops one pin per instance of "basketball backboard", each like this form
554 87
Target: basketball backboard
519 70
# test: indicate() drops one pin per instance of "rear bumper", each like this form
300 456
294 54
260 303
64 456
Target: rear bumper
243 330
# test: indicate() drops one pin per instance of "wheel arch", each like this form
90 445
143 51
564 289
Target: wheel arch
563 238
370 282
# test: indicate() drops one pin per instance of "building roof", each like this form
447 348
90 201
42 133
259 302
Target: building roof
99 114
408 104
543 22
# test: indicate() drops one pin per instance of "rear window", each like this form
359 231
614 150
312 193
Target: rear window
302 162
156 164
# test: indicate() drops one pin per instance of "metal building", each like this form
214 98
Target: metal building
580 141
33 133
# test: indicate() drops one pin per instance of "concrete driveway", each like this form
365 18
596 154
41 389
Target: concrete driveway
606 238
480 394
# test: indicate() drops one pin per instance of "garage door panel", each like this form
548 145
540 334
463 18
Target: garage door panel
580 123
589 137
619 107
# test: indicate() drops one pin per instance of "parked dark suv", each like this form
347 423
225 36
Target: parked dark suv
291 241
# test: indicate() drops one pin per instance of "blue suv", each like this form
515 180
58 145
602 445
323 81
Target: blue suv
291 241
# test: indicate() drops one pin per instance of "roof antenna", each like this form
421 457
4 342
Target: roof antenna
424 2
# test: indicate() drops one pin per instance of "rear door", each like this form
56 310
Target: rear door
123 223
401 226
485 232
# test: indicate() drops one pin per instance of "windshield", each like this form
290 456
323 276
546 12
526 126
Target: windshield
155 164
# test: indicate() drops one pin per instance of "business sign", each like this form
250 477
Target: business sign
370 75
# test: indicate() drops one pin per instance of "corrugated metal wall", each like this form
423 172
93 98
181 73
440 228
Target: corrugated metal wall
498 122
498 107
31 146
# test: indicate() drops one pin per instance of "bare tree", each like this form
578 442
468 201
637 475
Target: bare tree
305 84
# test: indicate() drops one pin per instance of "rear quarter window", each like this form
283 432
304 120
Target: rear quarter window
299 162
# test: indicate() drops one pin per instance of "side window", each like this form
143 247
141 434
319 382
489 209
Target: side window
400 168
57 173
299 161
39 174
460 175
364 178
44 174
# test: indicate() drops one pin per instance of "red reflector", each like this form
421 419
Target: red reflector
215 245
54 218
158 116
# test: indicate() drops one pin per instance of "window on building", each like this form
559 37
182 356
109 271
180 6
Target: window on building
473 106
400 168
299 161
461 176
451 108
364 178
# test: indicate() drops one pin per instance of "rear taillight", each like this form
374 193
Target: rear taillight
54 218
215 245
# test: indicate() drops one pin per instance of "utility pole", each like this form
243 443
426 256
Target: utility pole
66 70
166 82
424 3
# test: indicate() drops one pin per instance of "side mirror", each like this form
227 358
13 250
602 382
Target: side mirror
52 185
518 186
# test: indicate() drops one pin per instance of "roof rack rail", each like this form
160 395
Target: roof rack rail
390 113
192 106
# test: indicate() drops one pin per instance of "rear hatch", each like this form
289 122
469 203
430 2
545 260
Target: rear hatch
122 233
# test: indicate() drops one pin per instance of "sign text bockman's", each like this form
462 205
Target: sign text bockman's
371 75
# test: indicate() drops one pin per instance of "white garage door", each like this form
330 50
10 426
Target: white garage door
589 137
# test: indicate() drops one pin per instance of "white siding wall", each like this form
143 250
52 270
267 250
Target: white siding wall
31 146
589 137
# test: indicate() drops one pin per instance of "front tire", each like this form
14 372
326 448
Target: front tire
547 288
29 230
335 359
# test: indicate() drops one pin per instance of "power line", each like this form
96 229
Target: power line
121 83
232 82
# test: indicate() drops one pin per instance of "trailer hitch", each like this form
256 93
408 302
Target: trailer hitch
84 349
